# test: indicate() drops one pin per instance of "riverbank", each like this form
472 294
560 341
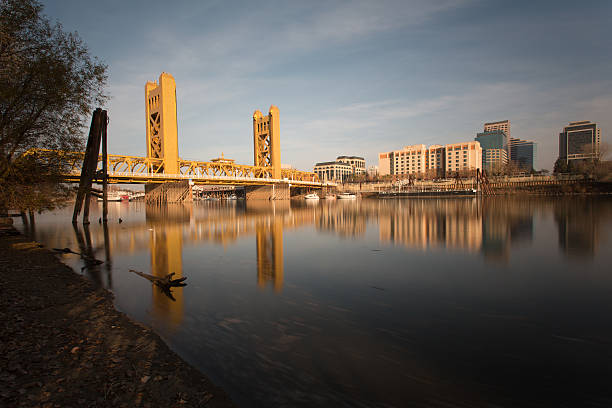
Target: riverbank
63 344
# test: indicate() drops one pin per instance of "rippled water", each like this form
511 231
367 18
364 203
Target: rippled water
456 302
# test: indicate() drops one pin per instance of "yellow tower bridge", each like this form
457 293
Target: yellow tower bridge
163 164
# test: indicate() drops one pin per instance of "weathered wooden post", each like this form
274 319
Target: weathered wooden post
85 181
104 167
97 132
93 164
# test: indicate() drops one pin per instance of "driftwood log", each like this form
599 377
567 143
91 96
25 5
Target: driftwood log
165 284
88 259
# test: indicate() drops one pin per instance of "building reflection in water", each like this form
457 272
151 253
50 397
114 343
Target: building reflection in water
578 225
469 224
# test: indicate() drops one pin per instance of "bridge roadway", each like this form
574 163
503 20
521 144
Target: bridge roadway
120 177
145 170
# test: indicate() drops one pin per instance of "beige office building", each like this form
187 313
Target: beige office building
384 163
356 162
333 171
461 157
409 160
432 162
436 161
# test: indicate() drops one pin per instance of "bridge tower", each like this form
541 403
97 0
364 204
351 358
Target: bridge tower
162 133
266 141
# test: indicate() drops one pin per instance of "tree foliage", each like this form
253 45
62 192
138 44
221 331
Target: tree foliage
595 168
49 85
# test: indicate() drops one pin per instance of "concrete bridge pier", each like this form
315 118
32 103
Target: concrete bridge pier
172 192
325 191
279 191
300 192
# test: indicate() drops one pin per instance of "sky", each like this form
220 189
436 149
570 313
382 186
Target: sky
350 77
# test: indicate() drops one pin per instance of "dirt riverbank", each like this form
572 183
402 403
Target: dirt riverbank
63 344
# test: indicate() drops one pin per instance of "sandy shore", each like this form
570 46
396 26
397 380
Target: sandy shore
63 344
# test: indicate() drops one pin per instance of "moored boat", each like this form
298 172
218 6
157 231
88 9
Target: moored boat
346 196
311 196
114 196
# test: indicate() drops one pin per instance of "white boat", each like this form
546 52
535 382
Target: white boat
311 196
330 197
115 196
346 196
231 197
210 198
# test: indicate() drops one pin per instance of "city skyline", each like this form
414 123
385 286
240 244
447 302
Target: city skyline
374 77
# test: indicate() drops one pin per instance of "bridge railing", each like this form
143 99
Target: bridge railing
125 175
147 167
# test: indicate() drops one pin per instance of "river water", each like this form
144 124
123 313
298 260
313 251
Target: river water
499 302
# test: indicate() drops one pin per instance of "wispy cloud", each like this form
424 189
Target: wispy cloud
350 77
373 127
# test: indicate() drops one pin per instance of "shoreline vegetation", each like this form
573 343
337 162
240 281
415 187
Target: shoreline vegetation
63 343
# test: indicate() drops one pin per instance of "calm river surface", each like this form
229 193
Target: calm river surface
499 302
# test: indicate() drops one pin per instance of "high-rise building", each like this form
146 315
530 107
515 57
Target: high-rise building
503 125
523 153
579 141
494 144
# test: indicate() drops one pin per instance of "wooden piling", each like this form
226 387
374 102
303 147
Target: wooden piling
104 167
84 169
89 171
93 163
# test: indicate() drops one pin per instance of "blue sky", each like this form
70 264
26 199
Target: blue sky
351 77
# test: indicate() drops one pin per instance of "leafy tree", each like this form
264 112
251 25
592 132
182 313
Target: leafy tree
49 85
560 166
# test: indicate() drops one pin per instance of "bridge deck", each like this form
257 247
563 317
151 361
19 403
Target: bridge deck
146 178
143 170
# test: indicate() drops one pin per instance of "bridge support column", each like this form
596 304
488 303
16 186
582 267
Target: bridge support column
174 192
278 191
